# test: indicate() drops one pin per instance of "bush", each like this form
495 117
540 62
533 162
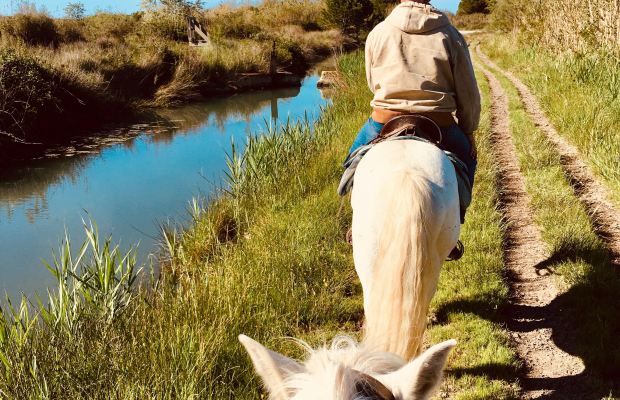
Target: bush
468 21
291 56
34 29
473 6
110 25
70 30
25 88
350 16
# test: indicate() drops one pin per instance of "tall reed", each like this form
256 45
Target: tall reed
563 25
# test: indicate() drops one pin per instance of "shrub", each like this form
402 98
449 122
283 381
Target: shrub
350 16
34 29
166 18
468 21
239 23
380 10
70 30
25 88
473 6
291 56
110 25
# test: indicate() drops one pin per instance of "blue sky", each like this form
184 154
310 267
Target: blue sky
129 6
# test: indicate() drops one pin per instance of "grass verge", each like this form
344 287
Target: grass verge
580 94
578 257
268 259
471 291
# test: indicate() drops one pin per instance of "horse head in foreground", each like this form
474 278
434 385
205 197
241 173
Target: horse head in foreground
349 371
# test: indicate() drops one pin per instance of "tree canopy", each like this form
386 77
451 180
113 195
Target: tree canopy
473 6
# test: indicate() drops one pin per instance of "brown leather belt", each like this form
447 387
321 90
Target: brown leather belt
382 116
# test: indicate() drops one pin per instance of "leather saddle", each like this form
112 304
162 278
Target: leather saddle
410 125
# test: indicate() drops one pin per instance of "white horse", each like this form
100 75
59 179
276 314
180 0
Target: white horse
405 223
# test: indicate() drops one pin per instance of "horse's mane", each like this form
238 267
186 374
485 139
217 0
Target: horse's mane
335 366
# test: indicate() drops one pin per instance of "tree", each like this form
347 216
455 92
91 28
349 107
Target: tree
75 11
473 6
351 16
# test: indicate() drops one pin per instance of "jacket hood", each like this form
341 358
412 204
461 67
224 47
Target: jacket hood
413 17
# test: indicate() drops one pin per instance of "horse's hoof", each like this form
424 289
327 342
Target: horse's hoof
457 252
350 236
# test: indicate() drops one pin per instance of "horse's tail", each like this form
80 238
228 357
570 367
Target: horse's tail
396 317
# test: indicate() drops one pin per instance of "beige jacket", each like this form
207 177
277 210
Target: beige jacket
417 62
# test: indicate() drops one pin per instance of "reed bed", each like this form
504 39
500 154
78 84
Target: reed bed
563 25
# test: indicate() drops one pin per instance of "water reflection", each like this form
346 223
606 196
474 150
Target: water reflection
127 177
27 186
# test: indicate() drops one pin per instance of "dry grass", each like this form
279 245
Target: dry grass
113 61
473 21
576 26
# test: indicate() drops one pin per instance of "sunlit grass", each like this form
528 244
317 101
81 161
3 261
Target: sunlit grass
589 283
267 258
471 291
580 95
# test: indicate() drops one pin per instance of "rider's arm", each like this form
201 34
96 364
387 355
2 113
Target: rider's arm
473 153
467 94
369 62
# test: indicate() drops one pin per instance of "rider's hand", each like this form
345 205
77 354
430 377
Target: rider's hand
472 142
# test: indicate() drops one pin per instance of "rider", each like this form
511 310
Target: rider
416 62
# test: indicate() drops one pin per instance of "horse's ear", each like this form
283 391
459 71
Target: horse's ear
421 377
272 367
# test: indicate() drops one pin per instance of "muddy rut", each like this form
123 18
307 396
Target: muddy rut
533 318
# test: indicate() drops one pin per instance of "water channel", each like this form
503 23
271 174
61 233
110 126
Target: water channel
146 172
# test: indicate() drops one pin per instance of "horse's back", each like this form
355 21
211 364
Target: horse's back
423 159
390 156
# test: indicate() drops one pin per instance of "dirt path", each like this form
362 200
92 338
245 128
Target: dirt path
594 196
532 316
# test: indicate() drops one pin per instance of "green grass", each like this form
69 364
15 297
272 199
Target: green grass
579 93
589 283
472 291
267 259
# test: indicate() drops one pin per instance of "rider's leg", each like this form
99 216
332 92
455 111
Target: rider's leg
369 131
455 141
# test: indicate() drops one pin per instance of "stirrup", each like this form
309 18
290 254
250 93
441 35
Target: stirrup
457 252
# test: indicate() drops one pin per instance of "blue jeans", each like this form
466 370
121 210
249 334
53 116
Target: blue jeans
452 138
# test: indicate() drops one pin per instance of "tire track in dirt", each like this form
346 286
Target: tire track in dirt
604 215
531 315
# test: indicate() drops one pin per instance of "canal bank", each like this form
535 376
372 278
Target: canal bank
282 270
130 176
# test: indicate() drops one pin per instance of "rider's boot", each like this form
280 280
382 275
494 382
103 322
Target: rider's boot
457 252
